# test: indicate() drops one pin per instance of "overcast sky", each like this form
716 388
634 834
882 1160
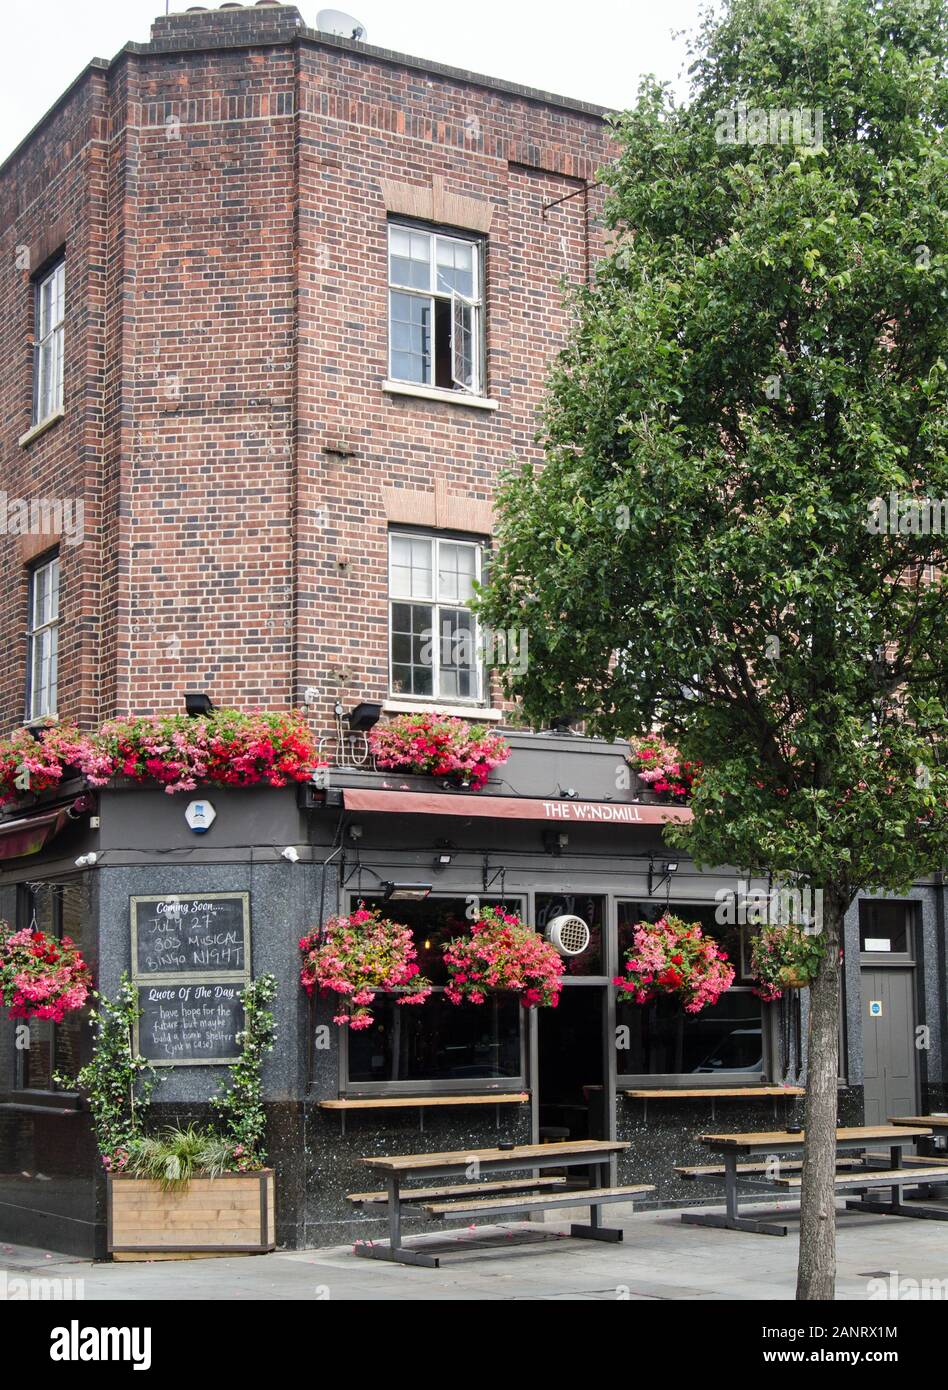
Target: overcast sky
592 49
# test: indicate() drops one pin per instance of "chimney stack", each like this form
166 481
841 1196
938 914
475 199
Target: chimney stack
266 21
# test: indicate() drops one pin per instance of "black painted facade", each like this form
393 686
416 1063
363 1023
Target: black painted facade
52 1191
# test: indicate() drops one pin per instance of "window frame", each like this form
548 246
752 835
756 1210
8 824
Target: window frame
46 335
34 630
912 912
437 605
692 1080
506 1085
26 911
477 304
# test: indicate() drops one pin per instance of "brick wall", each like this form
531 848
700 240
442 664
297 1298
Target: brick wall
220 195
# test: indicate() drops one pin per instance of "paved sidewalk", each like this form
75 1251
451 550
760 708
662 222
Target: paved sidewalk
659 1259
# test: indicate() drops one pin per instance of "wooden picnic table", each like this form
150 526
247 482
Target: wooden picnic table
773 1143
594 1155
932 1121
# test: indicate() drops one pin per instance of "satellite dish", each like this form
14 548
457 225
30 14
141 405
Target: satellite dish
568 934
344 26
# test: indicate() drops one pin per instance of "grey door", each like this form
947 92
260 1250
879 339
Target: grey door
888 1032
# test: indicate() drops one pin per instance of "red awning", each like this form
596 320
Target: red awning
29 834
512 808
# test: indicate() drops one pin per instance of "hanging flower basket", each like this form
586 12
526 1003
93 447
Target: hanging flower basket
784 957
675 958
41 976
439 745
661 769
502 955
358 955
178 752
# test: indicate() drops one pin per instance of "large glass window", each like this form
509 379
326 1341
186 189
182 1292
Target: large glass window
43 640
433 633
437 1041
660 1039
592 909
435 309
50 312
57 909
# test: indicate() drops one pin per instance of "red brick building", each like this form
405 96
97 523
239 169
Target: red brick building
277 308
221 200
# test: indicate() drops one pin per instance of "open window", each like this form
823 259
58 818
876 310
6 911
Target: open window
435 309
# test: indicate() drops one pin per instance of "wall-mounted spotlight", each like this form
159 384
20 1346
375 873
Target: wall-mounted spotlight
555 841
668 867
442 859
356 832
197 702
364 716
405 892
291 853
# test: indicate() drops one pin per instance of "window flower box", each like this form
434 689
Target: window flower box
439 745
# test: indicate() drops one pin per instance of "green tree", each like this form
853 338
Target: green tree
762 356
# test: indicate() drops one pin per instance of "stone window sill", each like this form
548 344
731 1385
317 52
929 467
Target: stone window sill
41 427
480 716
437 393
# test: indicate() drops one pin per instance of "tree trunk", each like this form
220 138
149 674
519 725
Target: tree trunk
816 1272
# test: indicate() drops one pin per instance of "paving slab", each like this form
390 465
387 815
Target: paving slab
659 1259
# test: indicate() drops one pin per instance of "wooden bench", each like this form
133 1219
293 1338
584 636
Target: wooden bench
872 1177
593 1197
424 1194
718 1170
713 1094
592 1155
344 1105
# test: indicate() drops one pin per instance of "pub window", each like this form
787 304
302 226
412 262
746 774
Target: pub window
49 338
42 640
437 1044
885 926
433 637
435 309
57 909
725 1039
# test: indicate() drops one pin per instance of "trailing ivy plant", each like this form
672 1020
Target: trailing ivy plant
240 1108
117 1082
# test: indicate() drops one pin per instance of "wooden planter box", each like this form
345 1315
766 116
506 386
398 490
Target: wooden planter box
229 1215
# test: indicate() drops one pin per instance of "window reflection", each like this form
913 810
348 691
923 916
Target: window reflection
660 1039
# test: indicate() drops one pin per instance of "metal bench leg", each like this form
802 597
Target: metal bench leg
595 1230
395 1252
732 1220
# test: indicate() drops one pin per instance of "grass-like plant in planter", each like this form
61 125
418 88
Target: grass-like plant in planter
184 1191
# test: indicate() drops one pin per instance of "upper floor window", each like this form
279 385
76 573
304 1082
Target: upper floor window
48 351
436 321
433 633
43 640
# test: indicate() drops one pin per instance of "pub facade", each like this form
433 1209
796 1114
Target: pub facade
280 313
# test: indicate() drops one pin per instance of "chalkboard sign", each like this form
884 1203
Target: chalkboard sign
189 1024
206 935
